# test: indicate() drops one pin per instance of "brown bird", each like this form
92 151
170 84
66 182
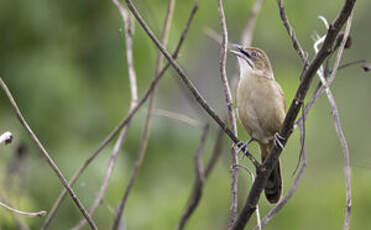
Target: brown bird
261 108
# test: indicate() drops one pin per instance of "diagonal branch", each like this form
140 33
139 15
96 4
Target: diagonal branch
248 31
291 32
287 197
122 124
339 131
129 32
199 182
148 123
46 155
307 77
200 99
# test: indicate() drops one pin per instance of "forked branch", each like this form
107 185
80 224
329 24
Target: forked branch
307 77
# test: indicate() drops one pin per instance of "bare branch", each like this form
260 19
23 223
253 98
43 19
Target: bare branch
30 214
213 35
249 29
231 111
199 182
129 32
284 200
123 123
279 206
307 76
47 156
251 174
339 131
177 116
6 138
148 123
291 32
352 63
199 98
217 151
196 193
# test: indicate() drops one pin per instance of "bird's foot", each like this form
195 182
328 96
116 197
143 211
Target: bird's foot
243 147
277 138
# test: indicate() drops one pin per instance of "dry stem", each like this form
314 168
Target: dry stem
46 155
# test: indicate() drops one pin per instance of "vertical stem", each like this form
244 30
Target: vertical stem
231 111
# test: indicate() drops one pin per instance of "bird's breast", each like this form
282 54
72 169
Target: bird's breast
261 106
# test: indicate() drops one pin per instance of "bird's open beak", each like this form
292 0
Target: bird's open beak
236 50
240 52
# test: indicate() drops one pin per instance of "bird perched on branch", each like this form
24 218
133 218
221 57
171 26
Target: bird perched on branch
261 108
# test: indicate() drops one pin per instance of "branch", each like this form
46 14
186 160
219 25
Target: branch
231 111
352 63
122 124
291 32
251 174
199 98
177 116
217 151
339 131
248 31
284 200
46 155
129 32
30 214
307 77
199 182
148 123
6 138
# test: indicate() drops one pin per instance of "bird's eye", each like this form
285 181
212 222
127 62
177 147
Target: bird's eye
254 54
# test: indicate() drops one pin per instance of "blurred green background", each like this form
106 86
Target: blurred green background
65 63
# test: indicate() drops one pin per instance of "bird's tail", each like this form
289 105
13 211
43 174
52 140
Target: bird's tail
273 189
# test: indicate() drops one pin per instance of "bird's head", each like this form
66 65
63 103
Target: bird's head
252 61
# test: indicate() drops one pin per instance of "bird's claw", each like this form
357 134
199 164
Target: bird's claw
243 147
277 138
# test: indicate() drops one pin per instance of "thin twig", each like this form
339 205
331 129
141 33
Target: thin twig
123 123
231 111
148 123
217 151
339 130
249 29
297 180
105 142
351 63
199 98
195 196
303 154
258 220
177 116
199 182
47 156
213 35
291 32
306 76
129 32
6 138
30 214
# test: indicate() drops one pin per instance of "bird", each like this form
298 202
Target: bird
261 108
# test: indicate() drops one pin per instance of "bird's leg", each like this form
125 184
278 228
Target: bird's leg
277 138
